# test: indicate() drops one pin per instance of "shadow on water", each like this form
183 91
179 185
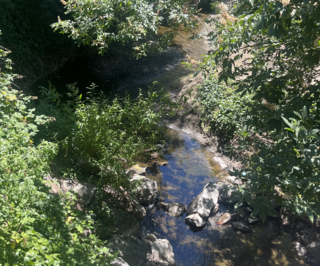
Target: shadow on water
118 72
184 177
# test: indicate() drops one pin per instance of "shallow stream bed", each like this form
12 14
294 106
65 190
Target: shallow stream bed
189 169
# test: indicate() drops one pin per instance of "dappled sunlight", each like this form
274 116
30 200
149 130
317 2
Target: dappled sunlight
189 169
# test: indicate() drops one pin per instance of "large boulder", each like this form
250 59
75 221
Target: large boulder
205 201
162 252
147 190
195 220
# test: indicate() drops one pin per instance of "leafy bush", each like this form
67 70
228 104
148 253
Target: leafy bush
222 109
272 51
286 172
97 135
36 227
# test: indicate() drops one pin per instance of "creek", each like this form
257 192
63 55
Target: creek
189 166
189 169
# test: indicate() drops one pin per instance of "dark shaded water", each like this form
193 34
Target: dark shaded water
189 169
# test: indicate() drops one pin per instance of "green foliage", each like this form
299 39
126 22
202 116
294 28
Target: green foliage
97 135
272 51
286 172
99 23
222 109
36 227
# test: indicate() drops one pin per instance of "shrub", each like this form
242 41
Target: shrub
222 109
272 51
36 227
97 135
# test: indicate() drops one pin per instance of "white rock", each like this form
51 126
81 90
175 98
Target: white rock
220 162
195 220
205 201
176 209
162 252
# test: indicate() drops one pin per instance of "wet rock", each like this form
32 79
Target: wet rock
234 180
205 201
162 252
226 192
253 219
147 190
195 220
176 209
301 251
119 262
151 237
242 226
314 249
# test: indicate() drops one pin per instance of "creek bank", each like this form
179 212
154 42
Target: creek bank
134 246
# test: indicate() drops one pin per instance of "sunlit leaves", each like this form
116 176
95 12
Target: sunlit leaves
99 23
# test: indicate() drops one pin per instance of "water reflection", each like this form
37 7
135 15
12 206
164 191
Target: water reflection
184 177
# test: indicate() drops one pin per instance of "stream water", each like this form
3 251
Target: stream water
189 169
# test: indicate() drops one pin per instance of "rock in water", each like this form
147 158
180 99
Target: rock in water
176 209
243 227
162 252
195 220
224 218
205 201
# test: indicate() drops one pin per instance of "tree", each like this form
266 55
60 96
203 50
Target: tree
272 50
101 22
